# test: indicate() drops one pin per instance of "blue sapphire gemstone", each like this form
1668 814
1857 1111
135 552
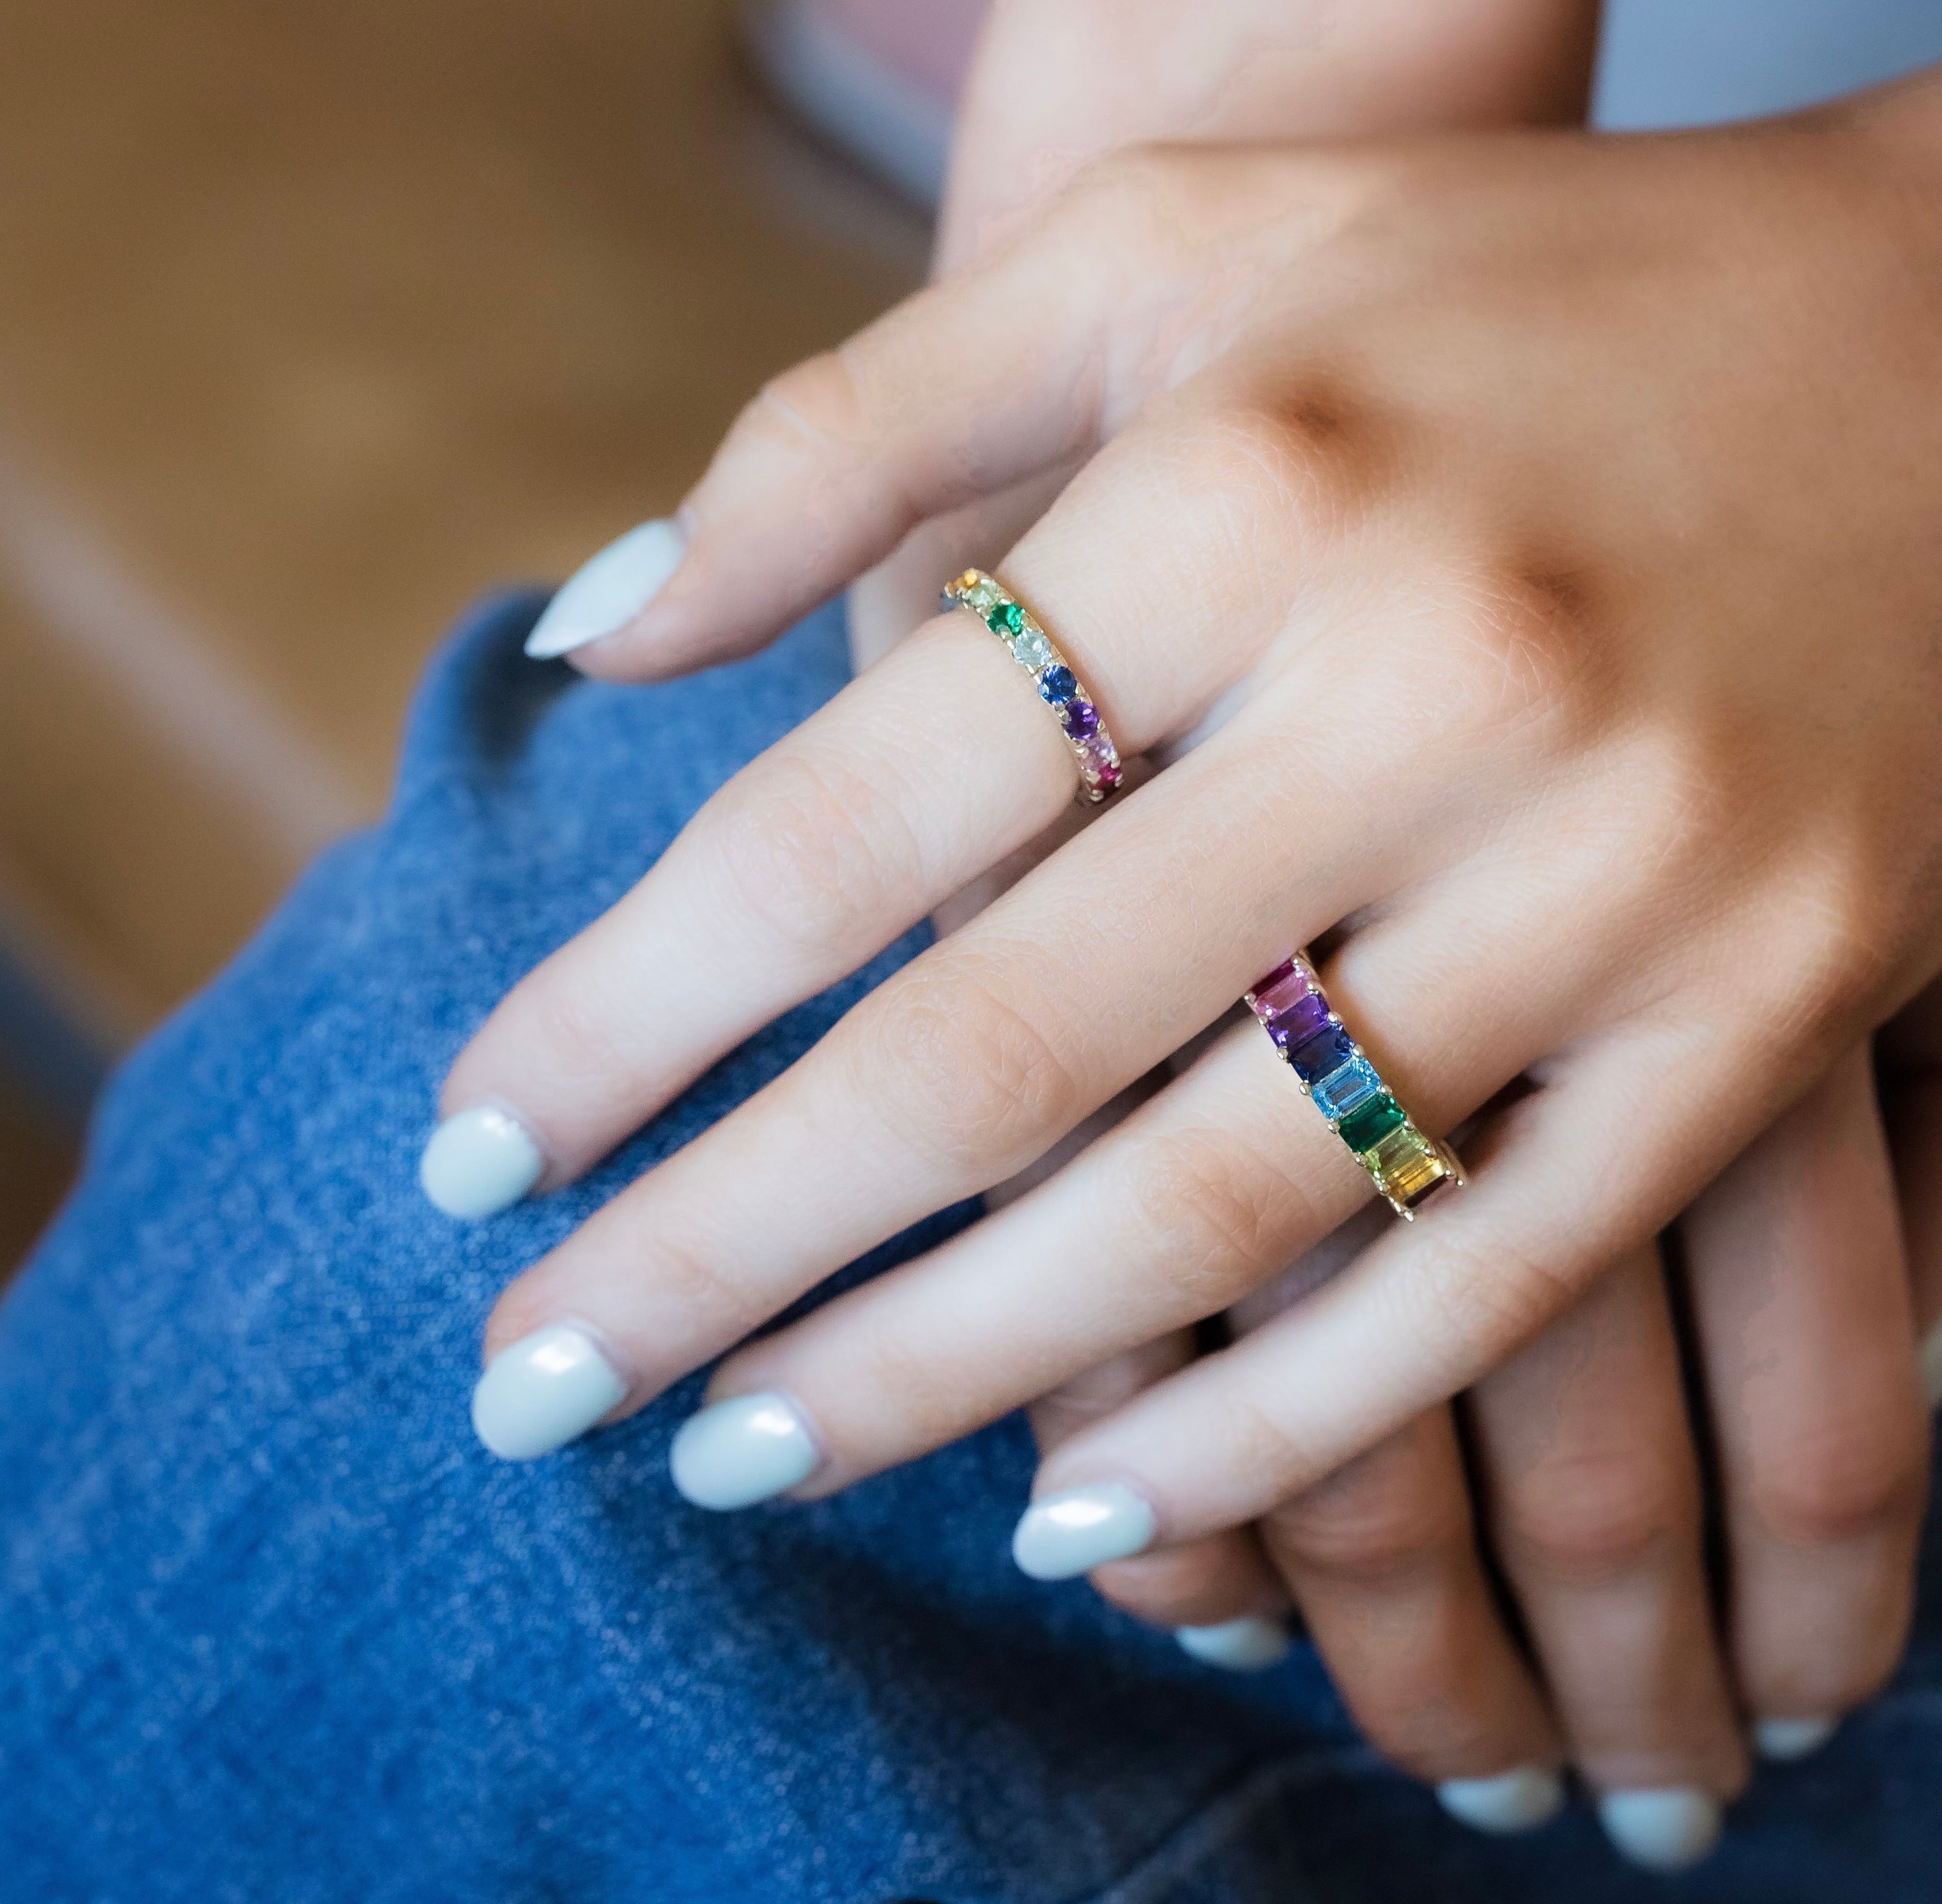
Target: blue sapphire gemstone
1322 1056
1345 1090
1058 685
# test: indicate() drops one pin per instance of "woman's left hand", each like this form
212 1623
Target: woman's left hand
1520 595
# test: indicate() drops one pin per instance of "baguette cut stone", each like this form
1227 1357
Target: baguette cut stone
1343 1091
1327 1051
1407 1166
1262 986
1297 1021
1281 988
1364 1128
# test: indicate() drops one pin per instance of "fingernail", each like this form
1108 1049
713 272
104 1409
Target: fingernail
1519 1800
1932 1366
1784 1738
1663 1830
1244 1645
1069 1534
606 591
544 1390
479 1162
741 1452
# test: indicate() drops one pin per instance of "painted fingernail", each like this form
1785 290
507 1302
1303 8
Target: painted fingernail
606 592
1243 1645
479 1162
1519 1800
1784 1738
738 1453
543 1391
1069 1534
1663 1830
1932 1366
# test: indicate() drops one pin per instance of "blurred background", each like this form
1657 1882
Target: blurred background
317 321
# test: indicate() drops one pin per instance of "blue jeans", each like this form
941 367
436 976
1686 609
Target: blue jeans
276 1627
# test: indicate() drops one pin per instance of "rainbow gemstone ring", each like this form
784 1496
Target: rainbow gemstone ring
1408 1167
1036 652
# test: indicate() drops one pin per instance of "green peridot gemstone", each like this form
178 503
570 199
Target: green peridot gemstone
1007 618
1366 1127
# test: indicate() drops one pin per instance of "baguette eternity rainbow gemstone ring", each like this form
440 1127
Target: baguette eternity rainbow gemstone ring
1058 686
1408 1167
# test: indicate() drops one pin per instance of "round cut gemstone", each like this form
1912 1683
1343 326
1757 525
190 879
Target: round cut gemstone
1058 685
1098 751
1007 618
1081 718
1032 648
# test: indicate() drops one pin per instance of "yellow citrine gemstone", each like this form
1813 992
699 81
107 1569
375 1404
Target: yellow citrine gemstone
1407 1166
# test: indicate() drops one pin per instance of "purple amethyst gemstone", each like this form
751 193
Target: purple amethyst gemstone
1327 1051
1058 684
1299 1023
1081 718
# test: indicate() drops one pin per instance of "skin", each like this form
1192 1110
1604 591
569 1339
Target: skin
1571 651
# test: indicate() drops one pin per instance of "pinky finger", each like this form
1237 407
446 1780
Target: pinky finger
1218 1596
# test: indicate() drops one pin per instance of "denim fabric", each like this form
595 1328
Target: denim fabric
276 1627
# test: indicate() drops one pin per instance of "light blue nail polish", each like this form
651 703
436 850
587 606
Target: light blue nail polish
739 1451
607 592
1069 1534
1248 1644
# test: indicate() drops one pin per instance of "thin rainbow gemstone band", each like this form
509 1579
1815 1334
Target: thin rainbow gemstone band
1037 654
1408 1167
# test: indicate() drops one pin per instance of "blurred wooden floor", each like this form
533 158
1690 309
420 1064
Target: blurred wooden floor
316 322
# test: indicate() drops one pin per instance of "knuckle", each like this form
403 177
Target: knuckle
1589 1521
1356 1529
962 1073
1484 1300
1137 185
1841 1484
1207 1208
818 403
1508 655
817 851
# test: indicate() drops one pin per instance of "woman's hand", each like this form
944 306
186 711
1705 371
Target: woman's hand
1505 497
1588 1489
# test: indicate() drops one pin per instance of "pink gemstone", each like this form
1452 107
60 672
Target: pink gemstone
1282 989
1098 753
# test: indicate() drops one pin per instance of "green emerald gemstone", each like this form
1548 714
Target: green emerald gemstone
1363 1128
1007 618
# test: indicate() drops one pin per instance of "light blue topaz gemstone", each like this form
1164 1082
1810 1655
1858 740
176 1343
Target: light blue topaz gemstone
1032 649
1347 1087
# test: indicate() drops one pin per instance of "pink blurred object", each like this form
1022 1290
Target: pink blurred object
877 78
